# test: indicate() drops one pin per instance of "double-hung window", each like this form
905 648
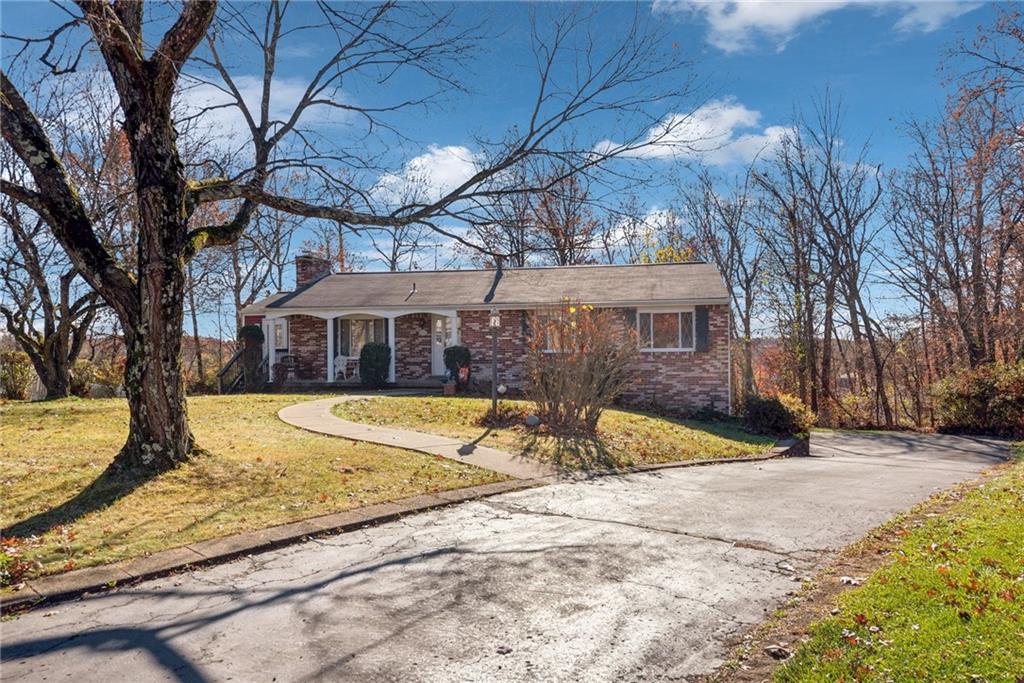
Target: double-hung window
665 330
280 333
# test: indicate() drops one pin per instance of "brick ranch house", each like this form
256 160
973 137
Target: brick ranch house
680 312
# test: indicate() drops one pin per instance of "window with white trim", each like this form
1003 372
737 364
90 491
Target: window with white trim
280 334
665 330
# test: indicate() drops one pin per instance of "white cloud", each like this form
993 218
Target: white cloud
737 25
428 176
719 133
927 17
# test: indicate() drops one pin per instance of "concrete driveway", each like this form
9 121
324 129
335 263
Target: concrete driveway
648 576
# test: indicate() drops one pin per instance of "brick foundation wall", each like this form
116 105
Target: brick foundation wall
412 347
307 341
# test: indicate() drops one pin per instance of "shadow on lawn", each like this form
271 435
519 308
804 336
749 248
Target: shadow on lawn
104 490
577 451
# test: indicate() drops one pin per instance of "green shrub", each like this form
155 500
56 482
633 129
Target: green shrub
16 375
988 399
251 333
456 357
779 415
374 361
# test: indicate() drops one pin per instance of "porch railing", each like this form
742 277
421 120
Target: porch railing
230 377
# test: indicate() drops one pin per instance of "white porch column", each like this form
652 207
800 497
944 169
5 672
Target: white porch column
330 349
271 350
391 345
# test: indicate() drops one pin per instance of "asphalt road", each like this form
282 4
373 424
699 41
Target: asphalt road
647 576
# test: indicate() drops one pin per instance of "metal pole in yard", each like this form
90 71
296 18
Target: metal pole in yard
494 323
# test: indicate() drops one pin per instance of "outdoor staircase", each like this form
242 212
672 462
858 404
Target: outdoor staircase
231 377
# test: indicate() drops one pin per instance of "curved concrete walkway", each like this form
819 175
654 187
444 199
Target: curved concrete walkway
316 416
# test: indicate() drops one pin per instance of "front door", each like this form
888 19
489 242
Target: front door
441 335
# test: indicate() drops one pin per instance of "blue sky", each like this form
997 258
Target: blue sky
758 63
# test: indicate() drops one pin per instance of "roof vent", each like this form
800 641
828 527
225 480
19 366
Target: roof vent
411 291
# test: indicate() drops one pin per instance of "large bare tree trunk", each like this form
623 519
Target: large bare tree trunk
54 370
159 437
158 434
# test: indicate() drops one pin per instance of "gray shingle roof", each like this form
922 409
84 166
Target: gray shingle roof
260 307
677 283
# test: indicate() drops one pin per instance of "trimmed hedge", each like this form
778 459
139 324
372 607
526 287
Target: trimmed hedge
988 399
374 361
779 415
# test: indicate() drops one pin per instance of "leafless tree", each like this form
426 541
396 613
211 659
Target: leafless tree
46 308
623 79
565 227
627 233
790 238
844 192
725 223
957 213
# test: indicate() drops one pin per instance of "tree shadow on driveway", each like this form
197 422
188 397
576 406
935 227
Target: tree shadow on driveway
452 579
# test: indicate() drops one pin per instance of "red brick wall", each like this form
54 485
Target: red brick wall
252 319
512 345
676 380
307 341
680 380
309 268
412 347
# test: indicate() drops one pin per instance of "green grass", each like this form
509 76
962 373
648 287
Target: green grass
624 438
949 606
259 472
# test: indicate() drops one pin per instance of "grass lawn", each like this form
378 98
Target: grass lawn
259 472
948 606
624 437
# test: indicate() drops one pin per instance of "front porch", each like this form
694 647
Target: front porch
322 348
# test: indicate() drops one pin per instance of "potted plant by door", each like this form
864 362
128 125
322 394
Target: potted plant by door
456 361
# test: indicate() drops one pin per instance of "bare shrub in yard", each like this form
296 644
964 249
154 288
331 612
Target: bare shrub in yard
580 360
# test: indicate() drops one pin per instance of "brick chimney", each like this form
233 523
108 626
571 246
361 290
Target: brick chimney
310 268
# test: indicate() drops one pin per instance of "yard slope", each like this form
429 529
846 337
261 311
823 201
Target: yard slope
949 605
258 472
624 438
